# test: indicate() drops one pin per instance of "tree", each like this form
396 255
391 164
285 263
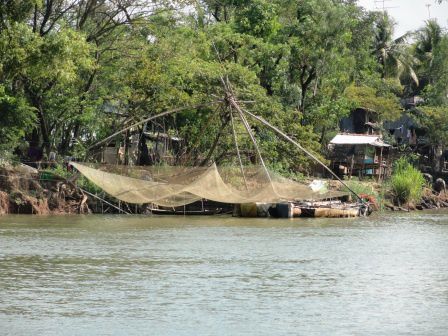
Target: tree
435 120
393 55
431 49
427 41
71 42
385 104
16 119
435 92
78 71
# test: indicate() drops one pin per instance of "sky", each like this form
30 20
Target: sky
410 14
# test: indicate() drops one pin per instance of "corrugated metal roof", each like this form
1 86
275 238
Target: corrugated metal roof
358 139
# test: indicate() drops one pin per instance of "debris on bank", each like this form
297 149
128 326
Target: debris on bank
25 190
430 200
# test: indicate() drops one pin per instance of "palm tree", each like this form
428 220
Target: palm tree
427 40
393 55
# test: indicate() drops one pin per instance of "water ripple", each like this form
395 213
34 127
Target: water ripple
113 275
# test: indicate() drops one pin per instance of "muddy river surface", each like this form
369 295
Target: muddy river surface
124 275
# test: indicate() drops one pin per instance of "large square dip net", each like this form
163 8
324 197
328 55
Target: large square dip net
173 186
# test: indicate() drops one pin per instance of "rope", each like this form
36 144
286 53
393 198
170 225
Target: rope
288 138
251 135
104 201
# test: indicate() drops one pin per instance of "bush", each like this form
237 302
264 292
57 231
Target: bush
406 182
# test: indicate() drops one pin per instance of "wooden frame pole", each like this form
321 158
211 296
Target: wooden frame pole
176 110
251 135
237 148
288 138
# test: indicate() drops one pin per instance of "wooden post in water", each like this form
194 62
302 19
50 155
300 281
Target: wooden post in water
103 201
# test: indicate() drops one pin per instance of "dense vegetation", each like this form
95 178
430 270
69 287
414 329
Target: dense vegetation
406 182
75 71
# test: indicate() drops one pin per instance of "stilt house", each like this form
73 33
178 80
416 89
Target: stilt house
359 149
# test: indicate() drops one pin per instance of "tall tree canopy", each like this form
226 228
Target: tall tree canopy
74 71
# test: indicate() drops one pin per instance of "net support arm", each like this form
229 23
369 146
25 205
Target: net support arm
307 152
237 148
176 110
251 135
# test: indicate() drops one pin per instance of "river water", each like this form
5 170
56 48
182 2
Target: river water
123 275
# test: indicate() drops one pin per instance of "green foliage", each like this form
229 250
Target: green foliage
431 49
361 187
70 79
435 120
386 105
368 187
257 18
40 75
81 181
16 118
436 93
16 10
406 182
393 55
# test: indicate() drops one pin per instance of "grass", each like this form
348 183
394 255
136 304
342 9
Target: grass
361 188
406 183
370 188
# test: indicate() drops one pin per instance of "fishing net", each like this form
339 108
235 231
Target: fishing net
176 186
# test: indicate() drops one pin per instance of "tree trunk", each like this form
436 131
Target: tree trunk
127 144
306 77
437 158
65 142
322 134
143 157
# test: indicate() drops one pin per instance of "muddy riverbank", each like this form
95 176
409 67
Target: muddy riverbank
24 190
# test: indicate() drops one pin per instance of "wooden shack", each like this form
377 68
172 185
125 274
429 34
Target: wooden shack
360 155
144 148
360 121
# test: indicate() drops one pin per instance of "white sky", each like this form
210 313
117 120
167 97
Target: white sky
410 14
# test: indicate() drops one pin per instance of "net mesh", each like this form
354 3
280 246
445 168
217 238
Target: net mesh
176 186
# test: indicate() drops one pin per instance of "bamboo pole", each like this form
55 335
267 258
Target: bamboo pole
104 201
251 135
288 138
176 110
230 99
237 148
